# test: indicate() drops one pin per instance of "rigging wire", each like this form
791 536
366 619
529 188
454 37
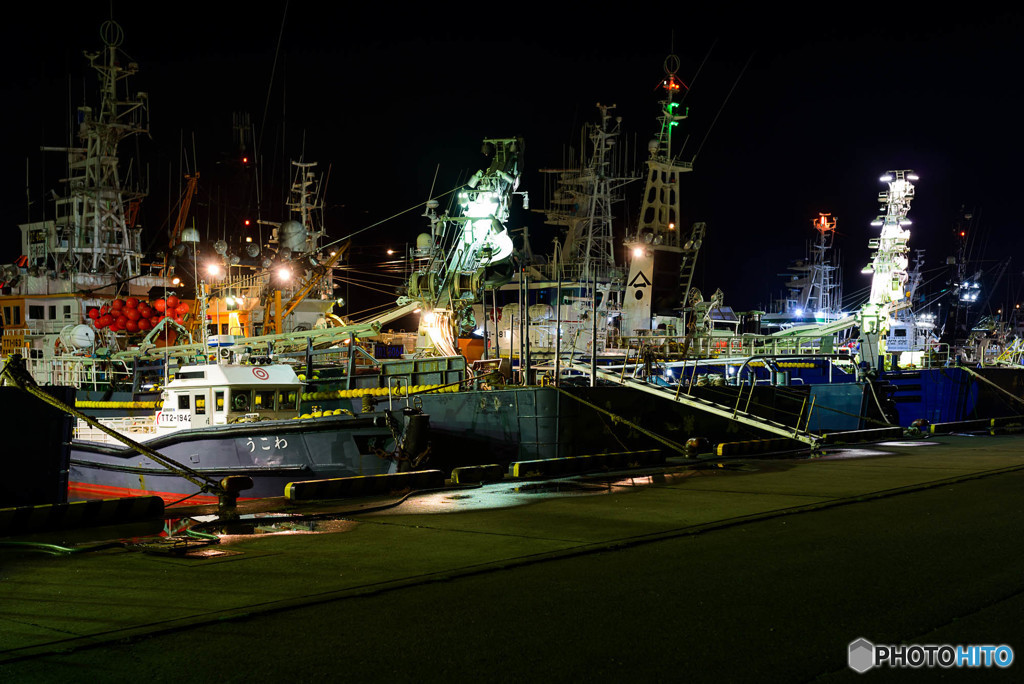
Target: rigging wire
720 109
392 217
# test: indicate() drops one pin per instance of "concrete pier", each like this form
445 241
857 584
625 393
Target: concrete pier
735 569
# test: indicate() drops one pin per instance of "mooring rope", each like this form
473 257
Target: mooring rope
17 375
675 446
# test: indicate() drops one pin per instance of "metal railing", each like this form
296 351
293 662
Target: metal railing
136 428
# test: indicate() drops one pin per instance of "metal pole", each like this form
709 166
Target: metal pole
351 360
558 326
593 335
526 327
522 313
497 329
522 316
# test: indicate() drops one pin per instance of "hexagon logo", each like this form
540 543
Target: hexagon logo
861 655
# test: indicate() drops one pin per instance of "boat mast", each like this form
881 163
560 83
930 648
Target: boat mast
821 294
93 231
657 237
888 265
583 203
659 213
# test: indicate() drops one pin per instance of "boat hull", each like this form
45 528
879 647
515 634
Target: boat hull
272 453
946 395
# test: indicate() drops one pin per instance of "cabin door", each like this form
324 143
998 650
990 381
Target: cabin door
201 408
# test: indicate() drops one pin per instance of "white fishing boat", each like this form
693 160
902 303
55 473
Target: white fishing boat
240 419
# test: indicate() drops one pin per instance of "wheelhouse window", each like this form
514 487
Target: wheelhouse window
264 400
12 315
218 401
287 401
241 400
200 405
183 402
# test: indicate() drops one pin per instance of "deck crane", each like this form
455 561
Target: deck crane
467 251
179 224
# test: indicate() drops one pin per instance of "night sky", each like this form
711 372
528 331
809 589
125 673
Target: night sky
820 106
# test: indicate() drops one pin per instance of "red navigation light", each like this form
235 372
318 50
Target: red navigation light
672 83
962 233
246 222
245 160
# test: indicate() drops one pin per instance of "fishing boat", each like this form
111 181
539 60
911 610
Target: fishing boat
239 419
83 305
85 249
813 285
577 346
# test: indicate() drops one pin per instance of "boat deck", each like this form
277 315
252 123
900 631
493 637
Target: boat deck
717 572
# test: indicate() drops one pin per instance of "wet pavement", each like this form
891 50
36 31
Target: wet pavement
733 569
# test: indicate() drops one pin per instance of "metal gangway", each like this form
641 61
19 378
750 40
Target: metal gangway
794 432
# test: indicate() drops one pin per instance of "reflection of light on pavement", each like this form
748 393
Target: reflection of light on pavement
853 453
862 453
489 496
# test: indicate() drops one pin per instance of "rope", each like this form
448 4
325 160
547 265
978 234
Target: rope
675 446
987 381
18 376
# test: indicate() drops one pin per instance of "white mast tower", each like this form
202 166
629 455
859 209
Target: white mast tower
658 237
94 239
888 265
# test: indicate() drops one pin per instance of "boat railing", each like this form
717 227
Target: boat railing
939 355
81 372
45 326
718 346
136 428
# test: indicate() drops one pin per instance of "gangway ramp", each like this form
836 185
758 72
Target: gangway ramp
734 413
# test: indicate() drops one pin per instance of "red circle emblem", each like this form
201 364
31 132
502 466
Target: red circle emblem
260 373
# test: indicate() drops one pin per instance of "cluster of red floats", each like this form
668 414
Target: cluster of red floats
133 315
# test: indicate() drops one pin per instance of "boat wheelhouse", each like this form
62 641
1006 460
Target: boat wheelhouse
215 394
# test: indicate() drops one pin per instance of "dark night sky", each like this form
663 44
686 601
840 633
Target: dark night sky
826 103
